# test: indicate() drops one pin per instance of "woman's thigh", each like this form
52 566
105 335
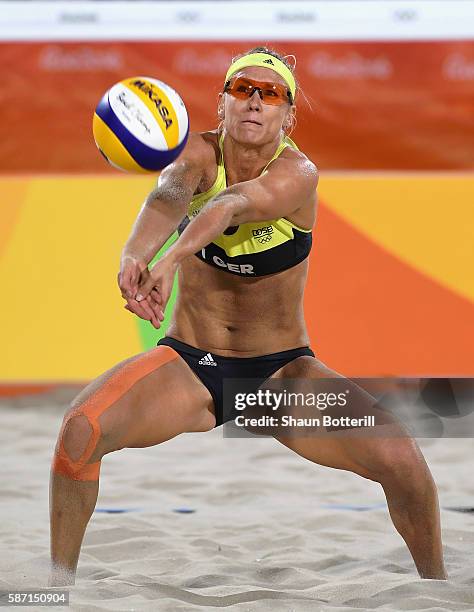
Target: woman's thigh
368 451
140 402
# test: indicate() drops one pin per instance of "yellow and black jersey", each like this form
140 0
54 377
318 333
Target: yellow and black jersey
251 249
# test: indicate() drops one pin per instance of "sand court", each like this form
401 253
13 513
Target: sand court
204 521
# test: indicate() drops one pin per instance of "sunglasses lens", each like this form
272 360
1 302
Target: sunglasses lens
270 93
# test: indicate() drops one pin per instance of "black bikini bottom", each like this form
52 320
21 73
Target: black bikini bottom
212 369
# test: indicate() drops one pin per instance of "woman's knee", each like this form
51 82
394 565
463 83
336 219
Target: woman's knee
202 421
75 435
75 455
398 462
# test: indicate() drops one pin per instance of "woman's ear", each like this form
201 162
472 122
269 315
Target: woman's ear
289 123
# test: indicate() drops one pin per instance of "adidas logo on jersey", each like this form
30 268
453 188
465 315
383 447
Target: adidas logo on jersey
207 360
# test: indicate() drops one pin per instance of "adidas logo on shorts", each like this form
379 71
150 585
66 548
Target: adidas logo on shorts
207 360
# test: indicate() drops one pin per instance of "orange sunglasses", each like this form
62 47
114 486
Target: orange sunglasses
270 93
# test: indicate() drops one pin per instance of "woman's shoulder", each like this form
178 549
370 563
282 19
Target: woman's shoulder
205 147
295 162
292 152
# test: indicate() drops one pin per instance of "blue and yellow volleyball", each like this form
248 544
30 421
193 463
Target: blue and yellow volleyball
140 125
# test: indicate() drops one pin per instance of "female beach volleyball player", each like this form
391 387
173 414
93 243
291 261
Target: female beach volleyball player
248 199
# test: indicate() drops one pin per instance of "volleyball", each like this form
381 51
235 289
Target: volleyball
140 125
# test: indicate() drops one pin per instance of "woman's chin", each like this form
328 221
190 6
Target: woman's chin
249 135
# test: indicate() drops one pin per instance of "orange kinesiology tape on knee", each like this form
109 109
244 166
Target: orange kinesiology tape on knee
112 390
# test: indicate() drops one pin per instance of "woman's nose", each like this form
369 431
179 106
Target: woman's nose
255 100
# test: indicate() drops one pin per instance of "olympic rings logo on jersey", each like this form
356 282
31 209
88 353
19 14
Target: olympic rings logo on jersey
263 234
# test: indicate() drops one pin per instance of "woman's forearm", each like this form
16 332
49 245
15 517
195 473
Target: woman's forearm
165 207
154 225
213 219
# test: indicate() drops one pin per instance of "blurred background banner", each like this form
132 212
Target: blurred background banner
365 105
386 111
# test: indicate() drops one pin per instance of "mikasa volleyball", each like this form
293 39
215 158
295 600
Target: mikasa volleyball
140 125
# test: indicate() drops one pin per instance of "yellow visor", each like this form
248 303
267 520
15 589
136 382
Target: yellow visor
264 60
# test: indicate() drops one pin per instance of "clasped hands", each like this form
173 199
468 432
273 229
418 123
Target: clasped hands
147 291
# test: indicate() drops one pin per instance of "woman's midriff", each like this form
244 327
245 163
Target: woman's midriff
239 317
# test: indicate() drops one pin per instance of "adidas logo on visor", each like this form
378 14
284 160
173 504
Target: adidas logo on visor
207 360
268 61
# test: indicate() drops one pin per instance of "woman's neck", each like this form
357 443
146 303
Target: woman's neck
244 163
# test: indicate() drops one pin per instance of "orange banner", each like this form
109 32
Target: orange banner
387 105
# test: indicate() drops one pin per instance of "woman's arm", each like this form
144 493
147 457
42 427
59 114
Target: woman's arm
166 205
159 217
285 188
288 186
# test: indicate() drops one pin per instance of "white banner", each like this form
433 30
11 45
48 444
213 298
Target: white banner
296 20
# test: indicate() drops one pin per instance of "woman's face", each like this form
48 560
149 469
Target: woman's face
250 121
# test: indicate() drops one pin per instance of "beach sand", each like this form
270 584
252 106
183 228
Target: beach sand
266 532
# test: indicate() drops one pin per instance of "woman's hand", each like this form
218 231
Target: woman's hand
132 274
129 276
159 283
